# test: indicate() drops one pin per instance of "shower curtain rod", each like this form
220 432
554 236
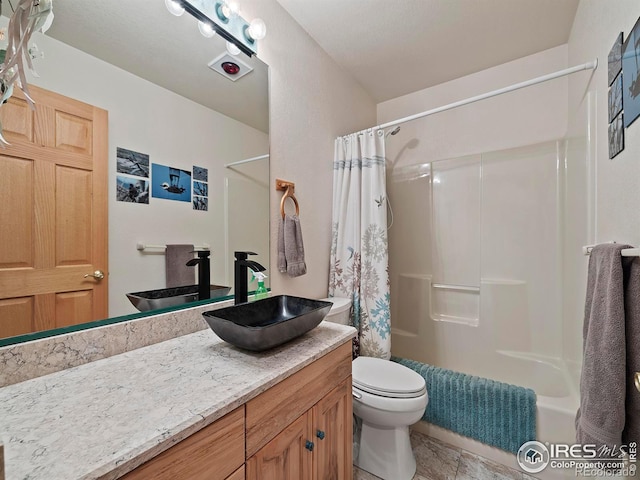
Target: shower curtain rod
252 159
578 68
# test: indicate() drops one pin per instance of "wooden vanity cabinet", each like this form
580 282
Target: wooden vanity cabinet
301 429
315 446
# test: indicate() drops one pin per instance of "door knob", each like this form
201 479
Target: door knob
320 434
636 380
98 275
309 445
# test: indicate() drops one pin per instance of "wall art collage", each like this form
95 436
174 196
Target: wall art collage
624 87
169 183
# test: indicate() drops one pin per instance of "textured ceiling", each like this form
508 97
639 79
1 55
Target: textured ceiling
395 47
142 37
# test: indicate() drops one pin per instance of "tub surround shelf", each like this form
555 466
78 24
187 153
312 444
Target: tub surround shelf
103 419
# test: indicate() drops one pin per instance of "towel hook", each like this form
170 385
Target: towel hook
288 188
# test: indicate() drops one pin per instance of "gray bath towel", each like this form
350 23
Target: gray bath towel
631 265
176 258
603 385
282 260
293 247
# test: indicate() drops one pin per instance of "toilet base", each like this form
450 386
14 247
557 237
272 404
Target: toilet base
386 452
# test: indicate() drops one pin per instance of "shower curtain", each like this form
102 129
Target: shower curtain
359 253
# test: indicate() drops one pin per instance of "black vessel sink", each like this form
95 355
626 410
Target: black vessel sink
267 323
170 297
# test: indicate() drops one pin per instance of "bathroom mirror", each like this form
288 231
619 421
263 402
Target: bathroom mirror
149 70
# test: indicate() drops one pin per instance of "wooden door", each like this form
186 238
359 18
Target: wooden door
53 213
333 434
286 456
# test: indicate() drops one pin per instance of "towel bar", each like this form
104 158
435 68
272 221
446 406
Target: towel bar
146 248
627 252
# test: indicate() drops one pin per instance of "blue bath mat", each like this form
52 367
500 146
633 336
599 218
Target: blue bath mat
492 412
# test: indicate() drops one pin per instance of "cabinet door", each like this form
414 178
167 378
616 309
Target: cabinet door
333 434
286 456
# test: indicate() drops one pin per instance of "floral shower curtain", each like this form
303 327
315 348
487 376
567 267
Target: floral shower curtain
359 254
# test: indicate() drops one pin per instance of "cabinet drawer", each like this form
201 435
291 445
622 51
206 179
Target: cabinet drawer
213 453
273 410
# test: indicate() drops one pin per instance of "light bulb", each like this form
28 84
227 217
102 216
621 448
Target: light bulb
174 7
206 29
232 49
234 8
257 29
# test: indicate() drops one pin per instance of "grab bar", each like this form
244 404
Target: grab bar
463 288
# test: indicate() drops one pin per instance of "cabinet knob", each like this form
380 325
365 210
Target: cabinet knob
636 380
309 446
320 434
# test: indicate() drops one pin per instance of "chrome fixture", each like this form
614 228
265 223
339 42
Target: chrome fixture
240 291
222 17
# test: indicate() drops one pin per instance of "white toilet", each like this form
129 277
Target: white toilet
387 397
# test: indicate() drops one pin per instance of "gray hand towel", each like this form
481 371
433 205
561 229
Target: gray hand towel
631 266
177 272
601 417
293 246
282 261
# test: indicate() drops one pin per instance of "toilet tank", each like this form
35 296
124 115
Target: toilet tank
340 311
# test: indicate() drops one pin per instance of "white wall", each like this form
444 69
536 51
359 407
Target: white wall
173 131
613 195
596 26
312 101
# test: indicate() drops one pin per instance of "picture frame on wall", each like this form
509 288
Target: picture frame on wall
631 75
616 136
615 59
615 98
170 183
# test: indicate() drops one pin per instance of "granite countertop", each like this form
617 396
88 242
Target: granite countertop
103 419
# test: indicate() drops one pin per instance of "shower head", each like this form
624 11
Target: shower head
392 132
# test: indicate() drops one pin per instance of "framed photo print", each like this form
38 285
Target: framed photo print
615 59
615 98
630 77
616 136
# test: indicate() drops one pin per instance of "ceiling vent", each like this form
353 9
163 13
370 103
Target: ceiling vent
230 66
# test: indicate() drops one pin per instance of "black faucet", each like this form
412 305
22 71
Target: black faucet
240 275
204 274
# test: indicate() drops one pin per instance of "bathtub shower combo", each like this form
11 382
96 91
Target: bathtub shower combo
484 256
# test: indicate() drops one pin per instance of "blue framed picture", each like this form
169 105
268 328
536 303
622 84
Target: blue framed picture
630 77
170 183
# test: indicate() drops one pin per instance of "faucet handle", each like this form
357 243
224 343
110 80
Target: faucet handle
243 255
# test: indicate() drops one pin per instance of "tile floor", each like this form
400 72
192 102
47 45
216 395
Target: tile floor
439 461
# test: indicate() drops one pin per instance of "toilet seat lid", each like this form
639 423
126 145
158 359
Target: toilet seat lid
386 378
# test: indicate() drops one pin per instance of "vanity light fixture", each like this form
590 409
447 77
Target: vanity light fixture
206 29
232 49
222 17
174 7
